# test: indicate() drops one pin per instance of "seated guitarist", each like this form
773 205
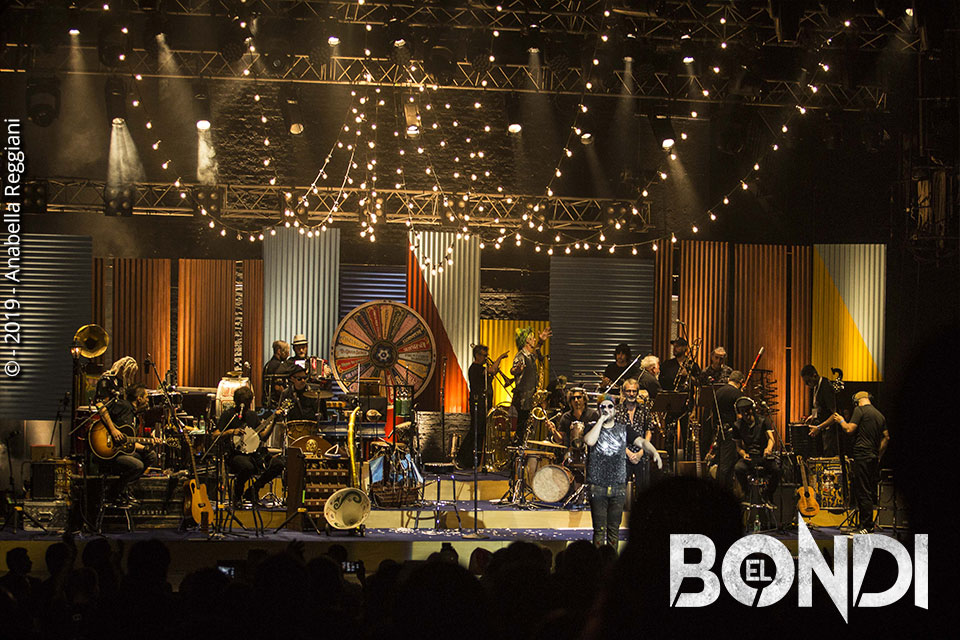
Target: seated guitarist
754 437
129 467
247 465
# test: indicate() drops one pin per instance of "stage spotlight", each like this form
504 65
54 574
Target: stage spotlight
115 93
154 27
512 107
687 49
113 45
532 38
118 199
274 42
441 64
206 200
411 115
559 51
399 42
201 99
586 138
663 130
231 40
35 196
290 108
479 52
73 22
43 100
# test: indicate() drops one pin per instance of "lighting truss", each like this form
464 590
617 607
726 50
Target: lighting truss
254 207
352 71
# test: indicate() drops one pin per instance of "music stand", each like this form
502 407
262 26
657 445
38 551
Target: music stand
668 402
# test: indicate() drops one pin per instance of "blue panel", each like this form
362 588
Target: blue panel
301 281
595 304
55 296
361 283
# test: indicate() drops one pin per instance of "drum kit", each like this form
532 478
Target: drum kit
554 473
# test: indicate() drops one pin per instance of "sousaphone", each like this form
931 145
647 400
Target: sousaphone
91 341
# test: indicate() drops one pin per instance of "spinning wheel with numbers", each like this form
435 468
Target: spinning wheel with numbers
385 340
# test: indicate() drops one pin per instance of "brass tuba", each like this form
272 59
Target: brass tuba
495 455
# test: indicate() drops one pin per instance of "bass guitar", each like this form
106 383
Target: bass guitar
806 499
249 440
106 447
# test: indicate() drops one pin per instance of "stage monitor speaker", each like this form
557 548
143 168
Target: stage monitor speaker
43 480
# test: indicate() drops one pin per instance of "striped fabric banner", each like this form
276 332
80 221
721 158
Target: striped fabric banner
301 287
849 299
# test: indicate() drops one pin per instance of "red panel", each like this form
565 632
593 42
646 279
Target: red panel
456 391
253 319
205 321
141 313
760 314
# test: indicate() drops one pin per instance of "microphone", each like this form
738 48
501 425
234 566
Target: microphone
681 322
147 363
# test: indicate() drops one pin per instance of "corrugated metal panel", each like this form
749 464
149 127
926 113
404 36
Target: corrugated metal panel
204 321
801 321
499 336
760 314
141 313
595 304
253 321
663 290
301 284
849 302
97 315
361 283
703 296
54 295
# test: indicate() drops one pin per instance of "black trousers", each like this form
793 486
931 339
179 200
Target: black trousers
465 454
744 468
866 476
523 417
606 511
244 466
829 443
727 457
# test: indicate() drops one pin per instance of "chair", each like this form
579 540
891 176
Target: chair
758 515
437 472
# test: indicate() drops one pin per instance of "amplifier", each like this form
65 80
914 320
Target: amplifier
52 514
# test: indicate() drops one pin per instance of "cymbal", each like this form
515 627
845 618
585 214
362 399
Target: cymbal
544 443
321 394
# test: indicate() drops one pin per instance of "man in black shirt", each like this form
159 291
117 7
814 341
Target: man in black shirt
129 467
670 372
872 439
824 408
754 437
718 372
304 407
723 417
273 382
650 369
579 412
526 371
232 423
614 371
480 376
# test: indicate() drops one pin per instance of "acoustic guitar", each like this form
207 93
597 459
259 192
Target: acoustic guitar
806 499
196 502
106 447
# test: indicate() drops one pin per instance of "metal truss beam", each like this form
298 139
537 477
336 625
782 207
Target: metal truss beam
578 17
499 77
253 207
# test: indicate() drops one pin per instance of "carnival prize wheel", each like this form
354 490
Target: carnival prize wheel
385 340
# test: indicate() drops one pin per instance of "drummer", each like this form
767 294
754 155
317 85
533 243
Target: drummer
579 412
305 403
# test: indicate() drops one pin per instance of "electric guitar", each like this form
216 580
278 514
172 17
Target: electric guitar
695 434
106 447
249 440
806 499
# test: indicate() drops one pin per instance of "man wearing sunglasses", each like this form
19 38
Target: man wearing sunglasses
579 412
304 407
639 420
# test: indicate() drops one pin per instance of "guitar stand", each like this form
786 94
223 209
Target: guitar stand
306 518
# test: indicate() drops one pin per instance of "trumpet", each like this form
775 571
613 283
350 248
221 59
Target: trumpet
539 413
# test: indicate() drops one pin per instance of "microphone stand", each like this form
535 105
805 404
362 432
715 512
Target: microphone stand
479 409
443 386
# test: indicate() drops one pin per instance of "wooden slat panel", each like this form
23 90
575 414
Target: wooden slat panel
253 320
204 321
141 313
760 314
663 290
801 332
703 295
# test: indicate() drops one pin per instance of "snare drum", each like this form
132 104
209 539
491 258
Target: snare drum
552 483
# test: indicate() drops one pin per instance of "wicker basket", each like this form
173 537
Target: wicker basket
390 495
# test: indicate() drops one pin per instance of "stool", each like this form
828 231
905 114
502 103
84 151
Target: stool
439 471
231 516
104 506
758 515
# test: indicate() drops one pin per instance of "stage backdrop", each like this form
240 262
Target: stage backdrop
596 304
449 301
301 288
849 299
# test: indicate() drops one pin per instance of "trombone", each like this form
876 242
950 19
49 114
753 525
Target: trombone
506 380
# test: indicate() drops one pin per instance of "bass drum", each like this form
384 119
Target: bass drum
495 454
347 508
225 390
552 483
